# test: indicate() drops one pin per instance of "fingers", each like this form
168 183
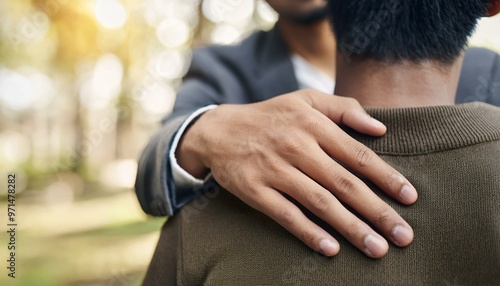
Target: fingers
350 190
365 162
291 218
324 205
344 110
351 153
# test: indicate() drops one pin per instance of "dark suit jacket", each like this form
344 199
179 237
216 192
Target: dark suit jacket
257 69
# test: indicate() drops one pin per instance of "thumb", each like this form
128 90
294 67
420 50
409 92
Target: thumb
345 110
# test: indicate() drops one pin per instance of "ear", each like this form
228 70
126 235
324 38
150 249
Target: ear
493 9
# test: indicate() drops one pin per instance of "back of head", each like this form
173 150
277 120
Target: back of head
404 30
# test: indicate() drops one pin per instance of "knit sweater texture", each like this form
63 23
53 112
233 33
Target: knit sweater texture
451 154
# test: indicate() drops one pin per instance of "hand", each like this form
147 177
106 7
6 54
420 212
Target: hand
285 145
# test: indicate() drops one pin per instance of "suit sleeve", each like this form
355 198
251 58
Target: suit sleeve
208 81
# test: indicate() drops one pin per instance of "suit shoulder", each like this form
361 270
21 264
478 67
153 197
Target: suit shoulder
243 52
482 53
480 77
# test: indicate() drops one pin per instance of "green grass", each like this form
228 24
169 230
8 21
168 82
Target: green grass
116 253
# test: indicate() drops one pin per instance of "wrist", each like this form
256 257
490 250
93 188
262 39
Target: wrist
190 149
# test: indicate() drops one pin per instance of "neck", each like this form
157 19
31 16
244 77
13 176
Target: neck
377 84
314 42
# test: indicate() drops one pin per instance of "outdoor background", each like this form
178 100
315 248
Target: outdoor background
83 85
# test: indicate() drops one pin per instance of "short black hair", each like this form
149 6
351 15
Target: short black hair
404 30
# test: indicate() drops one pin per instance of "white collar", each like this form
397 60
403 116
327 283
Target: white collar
308 76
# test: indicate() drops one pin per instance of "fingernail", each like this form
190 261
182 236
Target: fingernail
329 247
408 195
401 235
375 247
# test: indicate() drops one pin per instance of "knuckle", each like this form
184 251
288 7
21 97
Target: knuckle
300 115
347 101
353 102
319 202
252 193
285 218
292 145
345 187
383 216
270 164
364 156
310 121
303 95
308 93
251 187
353 230
391 180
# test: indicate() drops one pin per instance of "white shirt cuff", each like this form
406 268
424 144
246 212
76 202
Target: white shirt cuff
182 179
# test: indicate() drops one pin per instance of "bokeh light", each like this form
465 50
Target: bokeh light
266 13
225 34
103 83
16 90
229 11
156 11
15 148
110 14
169 64
45 90
173 32
159 101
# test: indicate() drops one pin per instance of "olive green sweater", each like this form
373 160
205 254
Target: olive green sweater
451 154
